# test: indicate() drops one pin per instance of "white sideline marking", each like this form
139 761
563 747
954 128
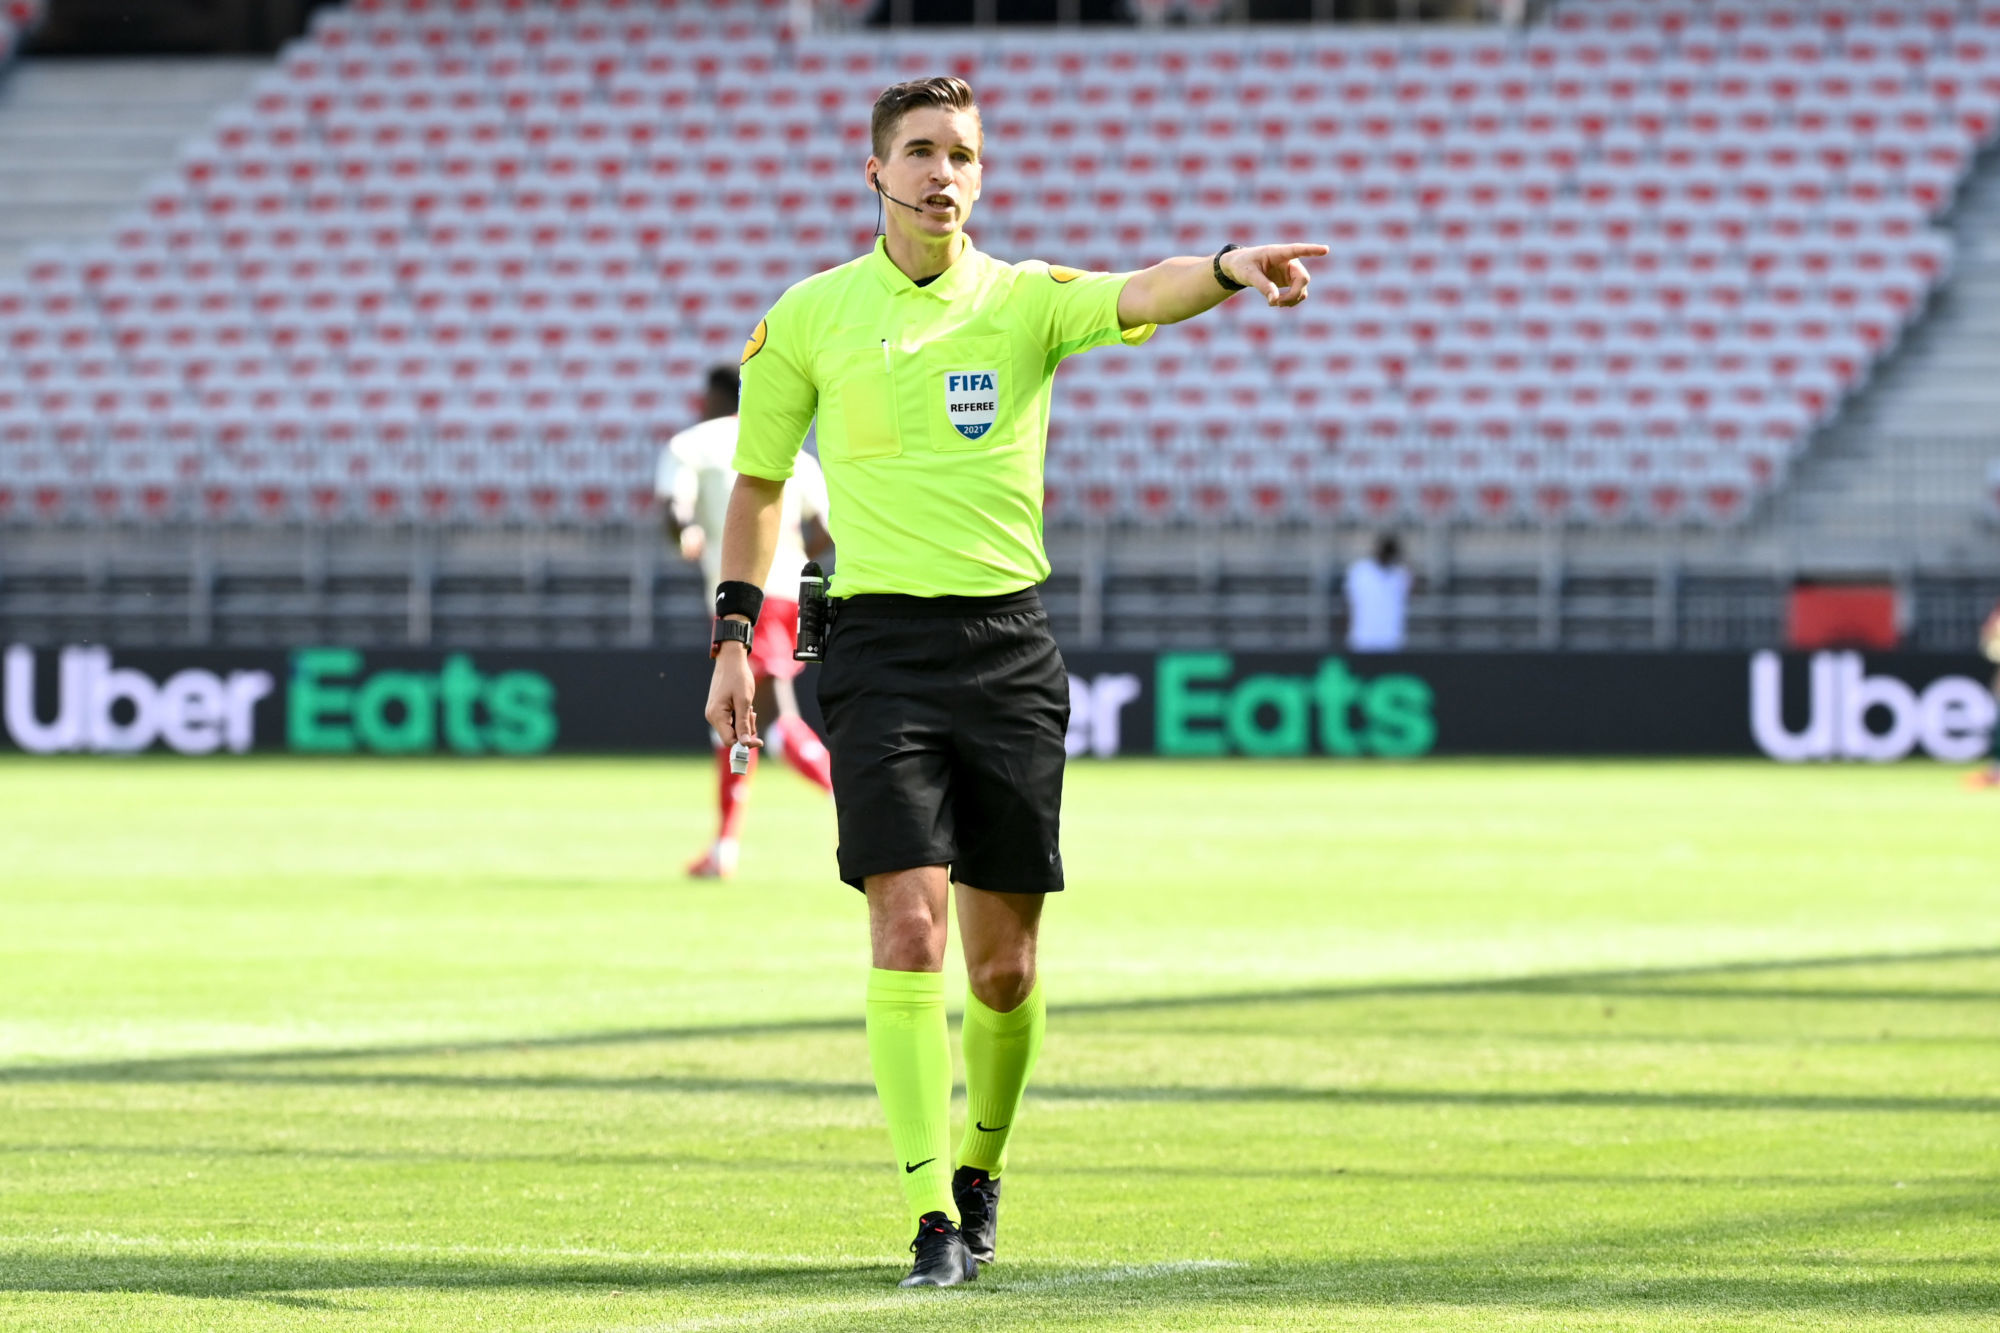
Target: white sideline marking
901 1300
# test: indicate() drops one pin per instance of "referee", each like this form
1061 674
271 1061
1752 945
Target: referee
927 366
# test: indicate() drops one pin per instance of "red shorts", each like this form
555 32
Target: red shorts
776 639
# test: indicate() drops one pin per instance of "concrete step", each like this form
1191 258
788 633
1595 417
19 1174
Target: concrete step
1930 382
1914 456
28 224
1961 338
136 117
93 157
1939 391
1868 512
115 85
1862 487
1943 334
1946 341
81 139
29 152
1961 306
1919 469
1943 424
1977 285
29 189
1937 388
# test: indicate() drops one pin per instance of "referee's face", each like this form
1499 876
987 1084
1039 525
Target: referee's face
933 163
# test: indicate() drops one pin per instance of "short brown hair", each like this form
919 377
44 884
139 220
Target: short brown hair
899 99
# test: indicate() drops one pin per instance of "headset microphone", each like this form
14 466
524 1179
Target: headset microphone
876 181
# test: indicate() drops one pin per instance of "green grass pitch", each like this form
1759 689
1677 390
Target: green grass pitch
435 1046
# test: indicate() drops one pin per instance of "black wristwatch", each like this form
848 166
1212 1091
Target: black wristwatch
1227 283
728 631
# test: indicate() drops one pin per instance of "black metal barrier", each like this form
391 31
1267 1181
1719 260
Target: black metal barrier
333 700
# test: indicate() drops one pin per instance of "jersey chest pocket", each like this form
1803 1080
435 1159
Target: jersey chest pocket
864 406
966 392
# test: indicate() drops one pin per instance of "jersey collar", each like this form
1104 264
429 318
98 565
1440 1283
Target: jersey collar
954 282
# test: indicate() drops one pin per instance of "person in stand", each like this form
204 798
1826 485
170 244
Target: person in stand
1378 599
927 367
693 485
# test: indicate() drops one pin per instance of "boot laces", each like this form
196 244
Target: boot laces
931 1234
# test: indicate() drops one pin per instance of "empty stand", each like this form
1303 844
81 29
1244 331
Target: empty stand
465 262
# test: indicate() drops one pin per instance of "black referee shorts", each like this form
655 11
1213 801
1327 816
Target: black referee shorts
946 717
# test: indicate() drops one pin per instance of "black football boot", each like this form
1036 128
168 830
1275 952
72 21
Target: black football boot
942 1259
977 1193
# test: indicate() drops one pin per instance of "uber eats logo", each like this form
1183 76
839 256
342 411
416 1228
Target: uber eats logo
336 707
1204 710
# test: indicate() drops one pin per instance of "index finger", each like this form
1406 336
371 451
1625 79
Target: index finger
1296 250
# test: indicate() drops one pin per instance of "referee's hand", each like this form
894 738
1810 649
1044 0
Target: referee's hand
1266 267
730 691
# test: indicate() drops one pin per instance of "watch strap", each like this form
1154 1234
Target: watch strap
1223 280
727 631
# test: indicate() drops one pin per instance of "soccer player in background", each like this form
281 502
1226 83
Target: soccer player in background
1989 646
928 366
693 485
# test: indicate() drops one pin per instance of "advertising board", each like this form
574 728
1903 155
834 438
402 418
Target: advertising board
333 700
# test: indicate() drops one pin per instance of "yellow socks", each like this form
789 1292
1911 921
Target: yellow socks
909 1049
1000 1051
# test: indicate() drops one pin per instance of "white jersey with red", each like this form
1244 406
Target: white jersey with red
695 477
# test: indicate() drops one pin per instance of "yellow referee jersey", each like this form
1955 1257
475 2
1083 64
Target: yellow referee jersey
933 411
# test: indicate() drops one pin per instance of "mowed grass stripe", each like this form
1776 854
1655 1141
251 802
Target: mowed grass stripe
1764 980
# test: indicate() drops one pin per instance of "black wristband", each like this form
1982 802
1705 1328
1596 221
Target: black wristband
735 598
1223 280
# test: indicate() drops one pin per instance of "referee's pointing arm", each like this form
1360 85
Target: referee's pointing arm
1177 289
